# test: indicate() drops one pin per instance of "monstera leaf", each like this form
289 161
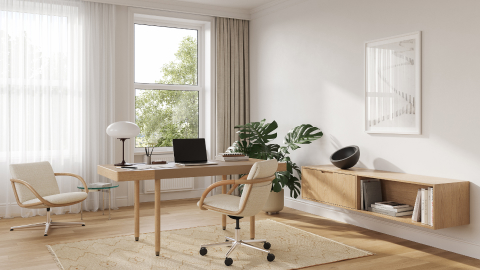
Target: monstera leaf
258 132
254 139
303 134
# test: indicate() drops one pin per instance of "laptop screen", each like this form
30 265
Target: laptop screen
189 150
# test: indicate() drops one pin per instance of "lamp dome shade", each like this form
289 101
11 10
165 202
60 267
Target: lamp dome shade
123 129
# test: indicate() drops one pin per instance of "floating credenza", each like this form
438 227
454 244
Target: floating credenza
331 185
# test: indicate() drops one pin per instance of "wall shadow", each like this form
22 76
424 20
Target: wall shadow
385 165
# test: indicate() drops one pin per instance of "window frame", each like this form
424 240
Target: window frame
140 18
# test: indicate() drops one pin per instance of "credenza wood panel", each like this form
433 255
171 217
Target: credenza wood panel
344 190
400 192
452 203
399 177
331 188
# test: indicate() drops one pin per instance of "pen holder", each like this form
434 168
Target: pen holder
148 160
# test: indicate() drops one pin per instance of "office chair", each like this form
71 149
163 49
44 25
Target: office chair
35 186
255 193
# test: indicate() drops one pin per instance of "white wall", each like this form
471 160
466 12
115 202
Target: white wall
307 67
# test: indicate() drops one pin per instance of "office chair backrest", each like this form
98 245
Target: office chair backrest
39 175
255 196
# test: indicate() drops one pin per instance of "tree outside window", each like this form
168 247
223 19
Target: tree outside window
163 115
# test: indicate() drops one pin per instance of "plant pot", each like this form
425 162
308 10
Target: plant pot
274 203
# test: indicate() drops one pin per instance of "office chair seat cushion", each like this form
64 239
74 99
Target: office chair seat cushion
223 201
62 198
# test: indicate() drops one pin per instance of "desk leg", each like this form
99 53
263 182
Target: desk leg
157 217
252 227
136 209
224 217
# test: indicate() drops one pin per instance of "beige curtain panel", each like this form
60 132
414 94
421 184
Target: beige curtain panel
233 82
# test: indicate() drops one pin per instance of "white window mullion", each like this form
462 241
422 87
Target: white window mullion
157 86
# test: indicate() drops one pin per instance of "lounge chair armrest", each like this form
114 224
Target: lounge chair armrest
85 187
42 200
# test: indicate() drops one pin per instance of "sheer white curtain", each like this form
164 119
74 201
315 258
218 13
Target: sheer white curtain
56 92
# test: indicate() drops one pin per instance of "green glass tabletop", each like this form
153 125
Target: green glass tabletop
81 187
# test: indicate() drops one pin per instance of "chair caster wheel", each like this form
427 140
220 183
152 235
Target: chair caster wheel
45 235
83 225
266 245
11 229
270 257
228 261
203 251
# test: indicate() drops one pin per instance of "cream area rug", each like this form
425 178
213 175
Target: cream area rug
293 248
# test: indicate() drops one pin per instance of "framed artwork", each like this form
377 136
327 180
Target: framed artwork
393 85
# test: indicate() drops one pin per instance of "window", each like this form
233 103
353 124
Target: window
168 81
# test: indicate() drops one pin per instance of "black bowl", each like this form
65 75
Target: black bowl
346 157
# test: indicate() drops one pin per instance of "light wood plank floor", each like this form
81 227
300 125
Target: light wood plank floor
25 249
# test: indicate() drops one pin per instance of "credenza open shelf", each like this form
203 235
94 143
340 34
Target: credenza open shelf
331 185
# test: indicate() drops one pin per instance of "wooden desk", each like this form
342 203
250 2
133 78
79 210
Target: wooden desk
223 168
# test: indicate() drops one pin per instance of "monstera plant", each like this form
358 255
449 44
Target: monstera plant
255 138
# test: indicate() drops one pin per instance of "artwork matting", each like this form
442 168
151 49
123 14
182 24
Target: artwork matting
393 85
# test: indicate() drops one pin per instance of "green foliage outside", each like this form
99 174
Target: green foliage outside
163 115
254 142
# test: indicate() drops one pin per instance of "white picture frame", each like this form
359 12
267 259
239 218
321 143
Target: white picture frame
393 85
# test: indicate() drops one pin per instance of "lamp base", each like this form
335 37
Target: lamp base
123 164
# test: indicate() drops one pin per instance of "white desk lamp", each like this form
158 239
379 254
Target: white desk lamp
123 130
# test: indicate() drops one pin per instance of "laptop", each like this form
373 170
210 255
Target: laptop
191 152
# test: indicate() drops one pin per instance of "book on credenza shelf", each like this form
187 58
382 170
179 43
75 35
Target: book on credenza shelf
416 216
430 204
424 206
395 210
371 190
392 205
429 207
391 213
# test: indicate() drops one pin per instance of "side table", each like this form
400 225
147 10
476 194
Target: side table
103 190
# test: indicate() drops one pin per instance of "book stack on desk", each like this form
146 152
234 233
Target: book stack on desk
231 157
393 209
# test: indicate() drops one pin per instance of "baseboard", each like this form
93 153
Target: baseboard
386 226
121 201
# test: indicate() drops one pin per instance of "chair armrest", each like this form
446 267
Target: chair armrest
236 185
254 181
212 186
42 200
85 187
242 180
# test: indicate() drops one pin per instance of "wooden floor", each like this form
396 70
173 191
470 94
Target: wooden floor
25 249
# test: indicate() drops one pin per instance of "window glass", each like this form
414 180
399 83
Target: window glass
163 115
165 55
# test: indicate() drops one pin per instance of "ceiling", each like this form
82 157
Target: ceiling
240 4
